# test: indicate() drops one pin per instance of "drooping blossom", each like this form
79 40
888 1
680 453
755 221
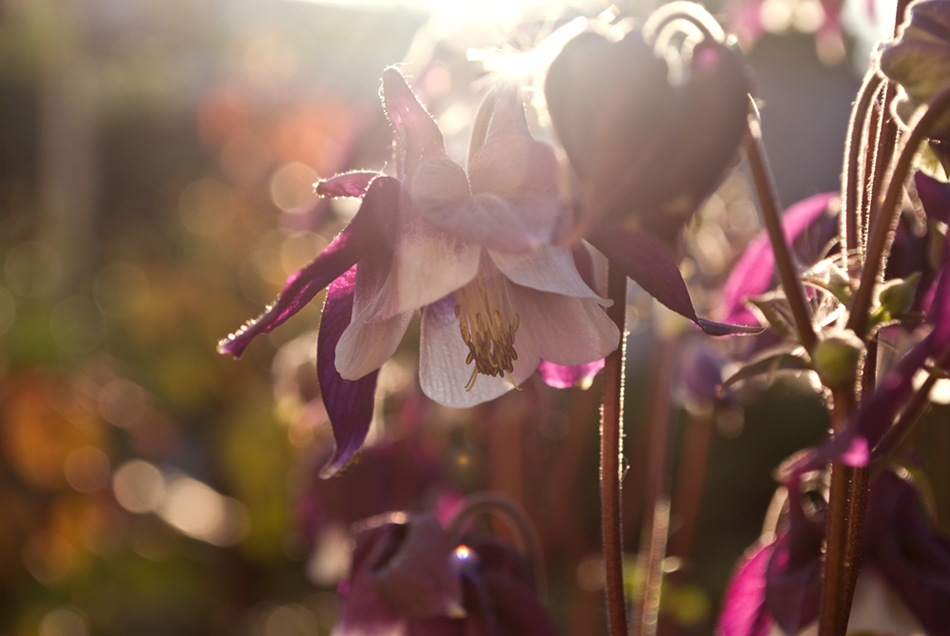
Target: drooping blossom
903 586
647 151
410 579
472 250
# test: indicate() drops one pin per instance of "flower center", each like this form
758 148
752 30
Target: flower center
488 325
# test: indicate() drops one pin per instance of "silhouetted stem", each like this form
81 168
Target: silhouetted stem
772 215
839 568
857 140
611 438
885 215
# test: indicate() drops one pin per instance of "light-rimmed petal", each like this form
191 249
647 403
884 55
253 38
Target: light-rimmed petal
650 263
508 117
565 330
417 137
349 403
548 268
365 346
428 263
560 376
364 234
443 373
755 270
346 184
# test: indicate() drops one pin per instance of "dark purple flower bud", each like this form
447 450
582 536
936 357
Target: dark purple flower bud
648 151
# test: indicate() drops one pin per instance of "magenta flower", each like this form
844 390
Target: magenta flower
472 250
410 579
903 586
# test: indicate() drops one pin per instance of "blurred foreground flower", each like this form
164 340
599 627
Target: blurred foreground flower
472 251
409 578
649 149
903 586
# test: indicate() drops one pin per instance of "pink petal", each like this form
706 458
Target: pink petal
417 136
347 184
443 373
349 403
564 377
508 116
565 330
548 268
428 263
743 611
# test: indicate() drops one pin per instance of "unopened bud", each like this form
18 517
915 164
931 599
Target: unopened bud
897 296
836 359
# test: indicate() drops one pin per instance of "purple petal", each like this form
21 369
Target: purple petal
349 403
362 611
755 270
793 575
562 376
650 263
362 234
417 137
743 611
912 557
934 196
347 184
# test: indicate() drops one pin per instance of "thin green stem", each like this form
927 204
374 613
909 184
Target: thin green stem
772 215
885 215
611 439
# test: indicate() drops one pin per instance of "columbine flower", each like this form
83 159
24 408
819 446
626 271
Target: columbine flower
408 577
903 587
648 151
471 250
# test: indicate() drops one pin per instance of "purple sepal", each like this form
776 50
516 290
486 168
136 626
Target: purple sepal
560 376
349 403
364 233
347 184
755 270
649 262
793 575
743 608
934 196
906 550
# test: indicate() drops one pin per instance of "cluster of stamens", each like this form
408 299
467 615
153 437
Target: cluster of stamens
488 327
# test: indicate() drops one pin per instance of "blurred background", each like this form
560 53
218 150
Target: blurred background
156 167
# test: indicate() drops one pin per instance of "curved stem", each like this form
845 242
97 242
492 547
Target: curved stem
851 178
517 520
773 223
885 215
686 11
611 439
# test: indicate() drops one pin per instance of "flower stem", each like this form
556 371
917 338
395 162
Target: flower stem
857 141
842 547
768 199
885 214
611 438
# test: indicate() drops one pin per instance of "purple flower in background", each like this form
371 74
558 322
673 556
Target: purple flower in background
410 579
648 152
472 250
903 586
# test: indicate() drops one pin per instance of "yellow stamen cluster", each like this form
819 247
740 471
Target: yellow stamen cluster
488 325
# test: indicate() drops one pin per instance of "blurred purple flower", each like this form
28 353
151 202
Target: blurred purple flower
648 152
903 585
471 250
409 579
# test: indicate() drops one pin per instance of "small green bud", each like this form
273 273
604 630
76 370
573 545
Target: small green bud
897 296
836 359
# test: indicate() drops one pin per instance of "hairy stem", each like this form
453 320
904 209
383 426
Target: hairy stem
885 214
765 187
611 439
